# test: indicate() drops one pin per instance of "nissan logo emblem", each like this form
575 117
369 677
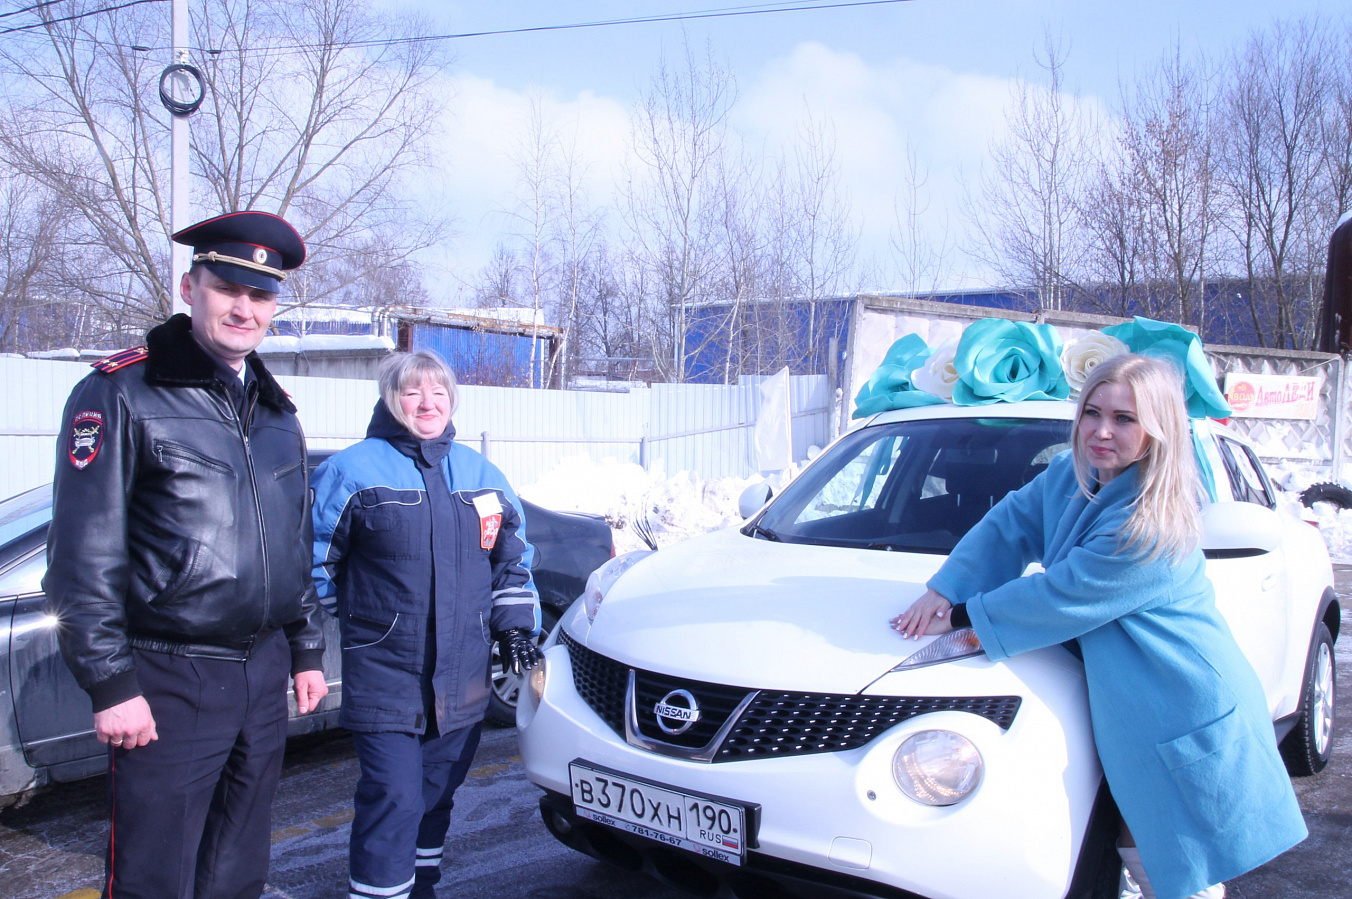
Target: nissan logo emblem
677 712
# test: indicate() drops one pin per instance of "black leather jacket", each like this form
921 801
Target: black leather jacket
177 527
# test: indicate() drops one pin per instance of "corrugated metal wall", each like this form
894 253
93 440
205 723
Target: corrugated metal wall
33 392
705 429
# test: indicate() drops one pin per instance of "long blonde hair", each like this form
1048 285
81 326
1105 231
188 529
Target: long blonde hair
1164 518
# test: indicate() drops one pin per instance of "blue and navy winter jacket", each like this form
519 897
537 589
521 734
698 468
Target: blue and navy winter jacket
420 550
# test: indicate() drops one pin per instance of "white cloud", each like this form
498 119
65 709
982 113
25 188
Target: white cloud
947 118
477 177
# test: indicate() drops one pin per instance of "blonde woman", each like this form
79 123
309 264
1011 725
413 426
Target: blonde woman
1179 717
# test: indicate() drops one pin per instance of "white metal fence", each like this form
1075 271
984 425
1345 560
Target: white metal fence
674 427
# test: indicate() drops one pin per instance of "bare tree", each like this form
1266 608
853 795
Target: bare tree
820 222
742 220
1282 119
1117 232
671 202
1336 134
498 279
921 252
535 212
31 259
1166 139
310 112
1023 218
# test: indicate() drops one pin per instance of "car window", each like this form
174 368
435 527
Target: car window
915 486
25 576
1248 481
855 487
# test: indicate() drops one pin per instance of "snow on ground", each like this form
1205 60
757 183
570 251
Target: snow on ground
684 505
1334 524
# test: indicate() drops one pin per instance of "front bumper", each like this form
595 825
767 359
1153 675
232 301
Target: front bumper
761 877
836 820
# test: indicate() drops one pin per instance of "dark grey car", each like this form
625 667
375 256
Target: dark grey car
46 733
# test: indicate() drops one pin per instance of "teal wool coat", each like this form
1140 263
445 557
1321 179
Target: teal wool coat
1179 717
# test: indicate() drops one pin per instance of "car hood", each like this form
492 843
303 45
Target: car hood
736 610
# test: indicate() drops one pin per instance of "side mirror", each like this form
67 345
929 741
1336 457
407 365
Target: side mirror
752 498
1239 527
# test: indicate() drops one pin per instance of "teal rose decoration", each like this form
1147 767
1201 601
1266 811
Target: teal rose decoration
890 387
1006 361
1184 348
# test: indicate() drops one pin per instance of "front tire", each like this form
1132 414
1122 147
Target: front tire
1309 746
505 687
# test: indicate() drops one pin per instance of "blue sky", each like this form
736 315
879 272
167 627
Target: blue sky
931 75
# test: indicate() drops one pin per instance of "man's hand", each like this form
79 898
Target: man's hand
516 649
927 615
128 725
310 688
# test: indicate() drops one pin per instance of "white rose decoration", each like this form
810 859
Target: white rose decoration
937 376
1080 355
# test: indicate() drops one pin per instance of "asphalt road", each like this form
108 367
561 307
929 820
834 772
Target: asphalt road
498 848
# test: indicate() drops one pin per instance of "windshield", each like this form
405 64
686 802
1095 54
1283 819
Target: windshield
912 486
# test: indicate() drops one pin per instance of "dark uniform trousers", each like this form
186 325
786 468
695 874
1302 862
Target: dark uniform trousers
192 814
403 809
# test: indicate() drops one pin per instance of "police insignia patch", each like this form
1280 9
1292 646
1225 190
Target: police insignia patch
86 438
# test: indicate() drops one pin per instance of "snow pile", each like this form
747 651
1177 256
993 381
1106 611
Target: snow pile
1334 524
631 499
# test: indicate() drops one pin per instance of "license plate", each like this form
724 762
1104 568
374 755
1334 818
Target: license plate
697 823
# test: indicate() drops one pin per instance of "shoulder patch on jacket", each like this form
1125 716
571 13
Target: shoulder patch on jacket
86 438
110 364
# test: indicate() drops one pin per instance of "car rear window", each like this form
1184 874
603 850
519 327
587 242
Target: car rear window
913 486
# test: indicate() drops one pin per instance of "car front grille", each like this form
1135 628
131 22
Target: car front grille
772 723
798 723
601 682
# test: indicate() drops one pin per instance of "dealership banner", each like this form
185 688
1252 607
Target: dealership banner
1272 396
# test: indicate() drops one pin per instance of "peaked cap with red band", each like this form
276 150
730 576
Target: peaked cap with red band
255 249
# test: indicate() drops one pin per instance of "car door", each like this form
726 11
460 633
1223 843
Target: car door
54 716
1252 590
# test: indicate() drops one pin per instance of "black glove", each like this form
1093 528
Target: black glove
516 649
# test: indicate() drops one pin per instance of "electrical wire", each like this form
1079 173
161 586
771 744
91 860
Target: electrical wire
85 14
35 6
726 12
783 6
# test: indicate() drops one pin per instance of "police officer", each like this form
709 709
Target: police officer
178 565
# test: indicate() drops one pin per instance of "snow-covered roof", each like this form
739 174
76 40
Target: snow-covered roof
312 313
324 343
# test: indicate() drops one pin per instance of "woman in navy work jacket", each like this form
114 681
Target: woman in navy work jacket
420 545
1179 716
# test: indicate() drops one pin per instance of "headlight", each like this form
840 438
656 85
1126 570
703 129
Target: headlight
958 644
535 681
937 767
602 579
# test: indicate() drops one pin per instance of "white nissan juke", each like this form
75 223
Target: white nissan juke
734 716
